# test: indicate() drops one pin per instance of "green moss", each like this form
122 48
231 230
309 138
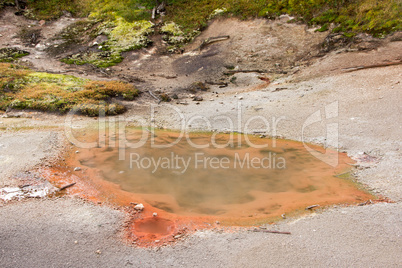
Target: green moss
327 17
324 28
69 82
349 34
122 36
127 36
125 21
11 54
374 17
129 10
171 28
218 12
53 9
4 3
100 109
102 59
174 36
130 95
24 89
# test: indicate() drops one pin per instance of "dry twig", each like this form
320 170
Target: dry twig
272 232
357 68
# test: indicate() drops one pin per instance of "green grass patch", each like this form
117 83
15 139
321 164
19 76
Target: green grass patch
129 10
21 88
102 59
374 17
126 22
173 35
4 3
53 9
10 54
125 36
377 17
121 36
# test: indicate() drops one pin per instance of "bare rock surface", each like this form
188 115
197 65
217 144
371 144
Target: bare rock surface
68 232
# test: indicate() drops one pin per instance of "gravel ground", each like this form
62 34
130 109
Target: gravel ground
23 151
71 233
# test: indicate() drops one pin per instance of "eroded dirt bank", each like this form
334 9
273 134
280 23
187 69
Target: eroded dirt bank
67 231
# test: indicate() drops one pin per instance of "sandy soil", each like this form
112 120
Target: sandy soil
65 232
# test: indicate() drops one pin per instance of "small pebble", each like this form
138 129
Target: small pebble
154 214
98 252
77 169
139 207
75 242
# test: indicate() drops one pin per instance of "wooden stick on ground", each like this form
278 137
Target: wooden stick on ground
155 97
272 232
67 186
311 207
217 83
357 68
211 40
245 71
